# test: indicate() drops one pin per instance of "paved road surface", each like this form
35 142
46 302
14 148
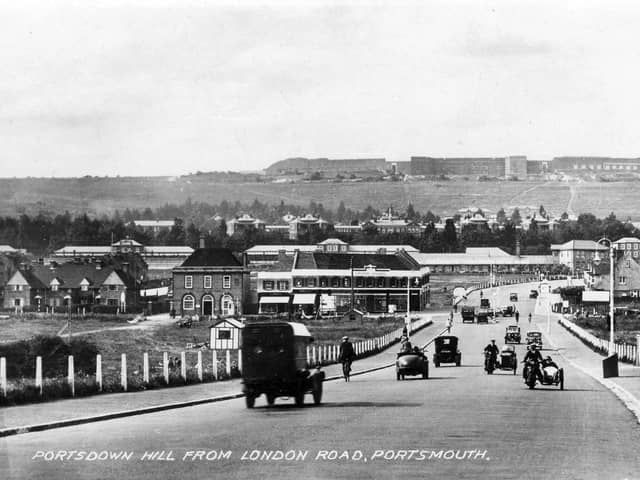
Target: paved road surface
582 432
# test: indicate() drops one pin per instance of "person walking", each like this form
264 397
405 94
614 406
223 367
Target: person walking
517 315
529 317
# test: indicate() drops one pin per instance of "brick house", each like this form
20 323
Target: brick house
79 285
212 281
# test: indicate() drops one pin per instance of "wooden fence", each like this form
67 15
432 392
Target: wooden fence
627 352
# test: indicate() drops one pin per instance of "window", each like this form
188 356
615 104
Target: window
635 246
54 288
628 263
267 284
283 285
188 303
298 282
227 305
622 280
112 287
112 302
226 281
17 288
84 288
17 302
224 334
311 282
207 281
188 281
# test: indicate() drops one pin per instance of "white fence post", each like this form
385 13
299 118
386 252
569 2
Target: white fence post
313 356
240 360
123 371
183 365
228 362
200 365
145 367
214 364
637 349
308 357
71 377
99 372
3 376
165 367
39 374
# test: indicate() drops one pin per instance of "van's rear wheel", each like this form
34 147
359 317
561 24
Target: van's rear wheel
299 397
317 392
250 400
271 399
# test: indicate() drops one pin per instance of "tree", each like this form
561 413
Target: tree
516 219
411 213
340 214
449 236
501 217
543 212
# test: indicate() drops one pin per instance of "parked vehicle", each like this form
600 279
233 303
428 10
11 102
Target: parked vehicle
508 359
534 337
533 294
550 374
412 363
512 334
447 351
483 314
274 362
468 314
513 297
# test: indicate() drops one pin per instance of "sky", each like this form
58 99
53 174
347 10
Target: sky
172 87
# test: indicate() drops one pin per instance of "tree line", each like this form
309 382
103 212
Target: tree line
44 233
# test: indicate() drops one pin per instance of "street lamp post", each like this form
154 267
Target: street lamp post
611 284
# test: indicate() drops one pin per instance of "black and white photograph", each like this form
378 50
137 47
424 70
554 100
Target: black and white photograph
324 240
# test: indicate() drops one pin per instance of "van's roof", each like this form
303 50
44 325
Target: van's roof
299 329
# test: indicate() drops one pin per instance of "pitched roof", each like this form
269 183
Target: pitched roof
70 275
212 257
343 261
579 245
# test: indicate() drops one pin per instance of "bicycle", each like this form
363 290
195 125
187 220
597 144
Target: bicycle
346 369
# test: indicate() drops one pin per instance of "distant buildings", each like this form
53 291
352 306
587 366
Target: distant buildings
515 166
159 259
578 254
244 223
626 283
326 167
154 226
39 287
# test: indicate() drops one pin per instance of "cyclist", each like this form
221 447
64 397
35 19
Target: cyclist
346 355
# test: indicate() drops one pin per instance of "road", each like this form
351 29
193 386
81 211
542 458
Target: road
581 432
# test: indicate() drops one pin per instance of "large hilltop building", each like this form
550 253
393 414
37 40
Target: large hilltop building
325 166
515 166
595 163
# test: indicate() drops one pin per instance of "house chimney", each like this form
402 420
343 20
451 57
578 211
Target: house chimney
201 241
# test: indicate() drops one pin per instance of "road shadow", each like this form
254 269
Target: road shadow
282 407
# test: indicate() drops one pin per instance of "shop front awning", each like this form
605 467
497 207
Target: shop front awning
595 296
304 299
264 300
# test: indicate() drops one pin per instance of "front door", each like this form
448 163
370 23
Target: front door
207 306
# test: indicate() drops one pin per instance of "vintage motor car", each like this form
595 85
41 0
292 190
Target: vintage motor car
274 360
468 314
447 350
506 311
533 294
483 314
550 374
512 334
413 362
534 337
513 297
508 359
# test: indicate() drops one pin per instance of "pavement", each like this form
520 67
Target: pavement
41 416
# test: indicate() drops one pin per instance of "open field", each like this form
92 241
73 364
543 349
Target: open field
104 195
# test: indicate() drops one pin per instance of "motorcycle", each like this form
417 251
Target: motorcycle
489 362
530 373
546 373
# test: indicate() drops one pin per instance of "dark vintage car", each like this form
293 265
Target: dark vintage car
447 350
508 359
534 337
513 297
274 361
468 314
533 294
413 362
483 314
512 334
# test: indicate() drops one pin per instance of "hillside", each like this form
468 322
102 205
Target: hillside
98 195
